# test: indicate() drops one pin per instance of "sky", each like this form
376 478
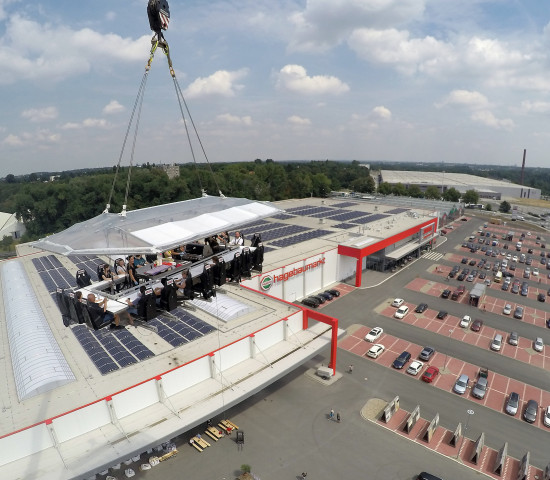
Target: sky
371 80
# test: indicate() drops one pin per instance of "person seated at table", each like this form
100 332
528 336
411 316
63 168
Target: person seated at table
133 304
131 268
120 272
99 308
158 291
223 238
238 240
167 254
139 261
106 274
185 286
178 252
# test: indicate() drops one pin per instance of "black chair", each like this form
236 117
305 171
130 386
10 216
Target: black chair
255 240
82 313
207 283
168 296
71 306
219 272
235 271
246 262
96 316
61 300
147 305
83 279
258 258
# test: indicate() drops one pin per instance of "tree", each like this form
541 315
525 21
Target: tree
432 192
363 185
470 196
10 178
384 188
399 190
415 192
488 207
504 207
451 195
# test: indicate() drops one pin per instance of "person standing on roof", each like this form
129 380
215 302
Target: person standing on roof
238 240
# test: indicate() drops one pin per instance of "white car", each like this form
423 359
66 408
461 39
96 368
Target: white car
509 256
415 367
375 350
374 334
546 417
397 302
465 322
515 258
507 309
401 311
538 344
535 272
528 234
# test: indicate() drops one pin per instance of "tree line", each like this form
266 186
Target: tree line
48 207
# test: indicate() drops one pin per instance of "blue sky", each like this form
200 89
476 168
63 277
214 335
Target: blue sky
397 80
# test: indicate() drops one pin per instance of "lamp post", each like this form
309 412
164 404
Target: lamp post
470 413
451 330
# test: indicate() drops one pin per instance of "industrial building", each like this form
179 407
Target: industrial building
485 187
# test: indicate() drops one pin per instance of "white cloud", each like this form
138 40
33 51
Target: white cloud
535 107
222 83
326 23
470 99
40 114
113 107
234 120
485 117
296 120
12 141
381 112
87 123
31 51
110 16
295 79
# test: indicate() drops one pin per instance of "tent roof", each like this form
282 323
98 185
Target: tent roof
155 229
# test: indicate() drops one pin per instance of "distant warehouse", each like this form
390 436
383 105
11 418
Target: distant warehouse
485 187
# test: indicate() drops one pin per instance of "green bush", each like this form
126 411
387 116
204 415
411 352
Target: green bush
245 468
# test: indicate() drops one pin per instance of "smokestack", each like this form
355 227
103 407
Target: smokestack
523 166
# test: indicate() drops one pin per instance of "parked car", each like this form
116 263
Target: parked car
446 293
401 360
374 334
496 344
397 302
415 367
461 384
512 404
530 412
442 314
401 311
518 312
477 325
427 476
480 388
465 322
546 417
538 344
429 375
507 310
311 302
333 292
426 353
513 339
541 297
376 350
421 308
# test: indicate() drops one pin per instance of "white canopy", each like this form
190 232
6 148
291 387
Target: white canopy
155 229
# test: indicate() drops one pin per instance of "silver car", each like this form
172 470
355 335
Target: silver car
512 404
513 339
461 384
538 345
480 388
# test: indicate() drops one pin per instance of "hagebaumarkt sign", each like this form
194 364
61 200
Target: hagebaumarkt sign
268 281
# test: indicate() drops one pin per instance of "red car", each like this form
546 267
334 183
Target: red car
429 375
461 289
477 325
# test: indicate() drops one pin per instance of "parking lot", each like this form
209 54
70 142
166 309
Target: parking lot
286 426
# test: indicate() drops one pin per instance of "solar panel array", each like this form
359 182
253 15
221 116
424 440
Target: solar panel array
376 216
283 216
345 226
302 237
111 350
347 215
297 209
183 328
311 211
282 232
395 211
260 228
88 263
344 204
52 273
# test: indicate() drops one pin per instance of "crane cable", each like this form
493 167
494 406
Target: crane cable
138 104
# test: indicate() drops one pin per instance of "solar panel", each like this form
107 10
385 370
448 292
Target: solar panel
138 349
47 263
48 281
376 216
122 356
345 225
56 263
302 237
166 333
312 211
395 211
283 232
362 220
347 215
296 209
283 216
344 204
95 351
38 265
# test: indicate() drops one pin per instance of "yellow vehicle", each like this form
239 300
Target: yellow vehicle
498 277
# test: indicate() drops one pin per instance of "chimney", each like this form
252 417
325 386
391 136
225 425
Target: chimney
523 167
